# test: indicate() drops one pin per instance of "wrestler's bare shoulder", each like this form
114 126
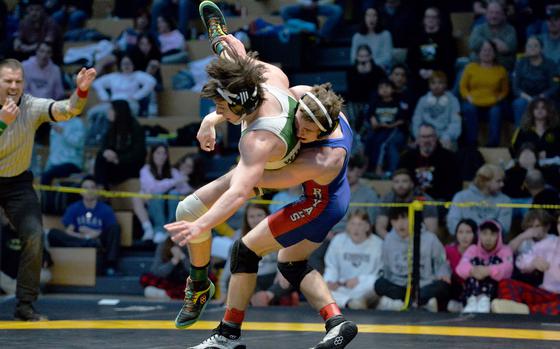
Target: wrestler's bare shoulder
263 140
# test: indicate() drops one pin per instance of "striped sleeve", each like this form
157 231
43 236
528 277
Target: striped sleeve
40 110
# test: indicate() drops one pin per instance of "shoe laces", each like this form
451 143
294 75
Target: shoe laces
216 337
215 26
190 304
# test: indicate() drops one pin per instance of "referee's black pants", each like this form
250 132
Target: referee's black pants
20 202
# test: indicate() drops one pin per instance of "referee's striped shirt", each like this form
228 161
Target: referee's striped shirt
16 143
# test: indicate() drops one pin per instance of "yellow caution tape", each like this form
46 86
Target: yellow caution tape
418 204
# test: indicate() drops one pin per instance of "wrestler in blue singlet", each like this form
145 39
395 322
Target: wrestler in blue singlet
321 206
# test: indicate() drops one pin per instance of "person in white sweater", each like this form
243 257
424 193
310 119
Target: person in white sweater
353 262
379 41
127 84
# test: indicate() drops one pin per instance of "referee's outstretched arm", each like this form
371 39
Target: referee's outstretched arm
65 109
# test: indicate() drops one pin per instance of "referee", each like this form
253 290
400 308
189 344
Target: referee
20 116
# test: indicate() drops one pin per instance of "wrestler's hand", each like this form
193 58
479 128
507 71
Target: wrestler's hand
182 232
206 136
85 78
9 111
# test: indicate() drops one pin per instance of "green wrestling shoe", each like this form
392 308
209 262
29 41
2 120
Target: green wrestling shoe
215 24
194 304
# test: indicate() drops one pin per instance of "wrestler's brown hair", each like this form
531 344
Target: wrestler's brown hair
331 101
235 73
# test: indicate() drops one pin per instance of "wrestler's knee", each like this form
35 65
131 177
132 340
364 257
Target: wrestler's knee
243 259
294 272
190 209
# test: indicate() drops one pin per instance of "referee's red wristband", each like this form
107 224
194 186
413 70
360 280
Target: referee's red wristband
82 93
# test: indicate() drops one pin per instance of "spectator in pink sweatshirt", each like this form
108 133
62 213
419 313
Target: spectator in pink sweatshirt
158 177
465 236
484 265
521 298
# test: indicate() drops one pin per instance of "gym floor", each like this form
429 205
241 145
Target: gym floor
83 321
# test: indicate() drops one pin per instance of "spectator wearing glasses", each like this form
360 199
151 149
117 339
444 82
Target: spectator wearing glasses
435 168
432 48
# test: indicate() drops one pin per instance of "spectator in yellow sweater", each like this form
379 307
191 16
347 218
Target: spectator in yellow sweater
484 85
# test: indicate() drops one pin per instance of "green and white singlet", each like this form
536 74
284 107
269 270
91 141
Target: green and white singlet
282 125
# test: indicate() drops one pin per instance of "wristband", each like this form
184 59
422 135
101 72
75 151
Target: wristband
82 93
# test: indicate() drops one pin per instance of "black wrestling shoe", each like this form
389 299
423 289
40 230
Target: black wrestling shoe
338 336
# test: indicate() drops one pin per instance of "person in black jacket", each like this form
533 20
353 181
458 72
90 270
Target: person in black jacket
435 169
363 78
432 49
124 147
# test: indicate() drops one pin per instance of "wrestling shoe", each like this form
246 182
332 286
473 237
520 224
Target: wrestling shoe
338 336
215 24
224 337
194 304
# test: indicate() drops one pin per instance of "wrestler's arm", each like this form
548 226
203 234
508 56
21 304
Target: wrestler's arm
299 90
213 119
319 164
206 134
255 149
273 75
68 108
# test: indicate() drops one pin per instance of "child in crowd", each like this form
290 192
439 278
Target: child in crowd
483 265
440 108
521 298
168 273
435 274
465 236
352 263
536 227
386 137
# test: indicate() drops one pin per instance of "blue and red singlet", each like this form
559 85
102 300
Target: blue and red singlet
321 206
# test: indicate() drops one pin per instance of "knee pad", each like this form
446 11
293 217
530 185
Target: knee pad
190 209
294 272
243 260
